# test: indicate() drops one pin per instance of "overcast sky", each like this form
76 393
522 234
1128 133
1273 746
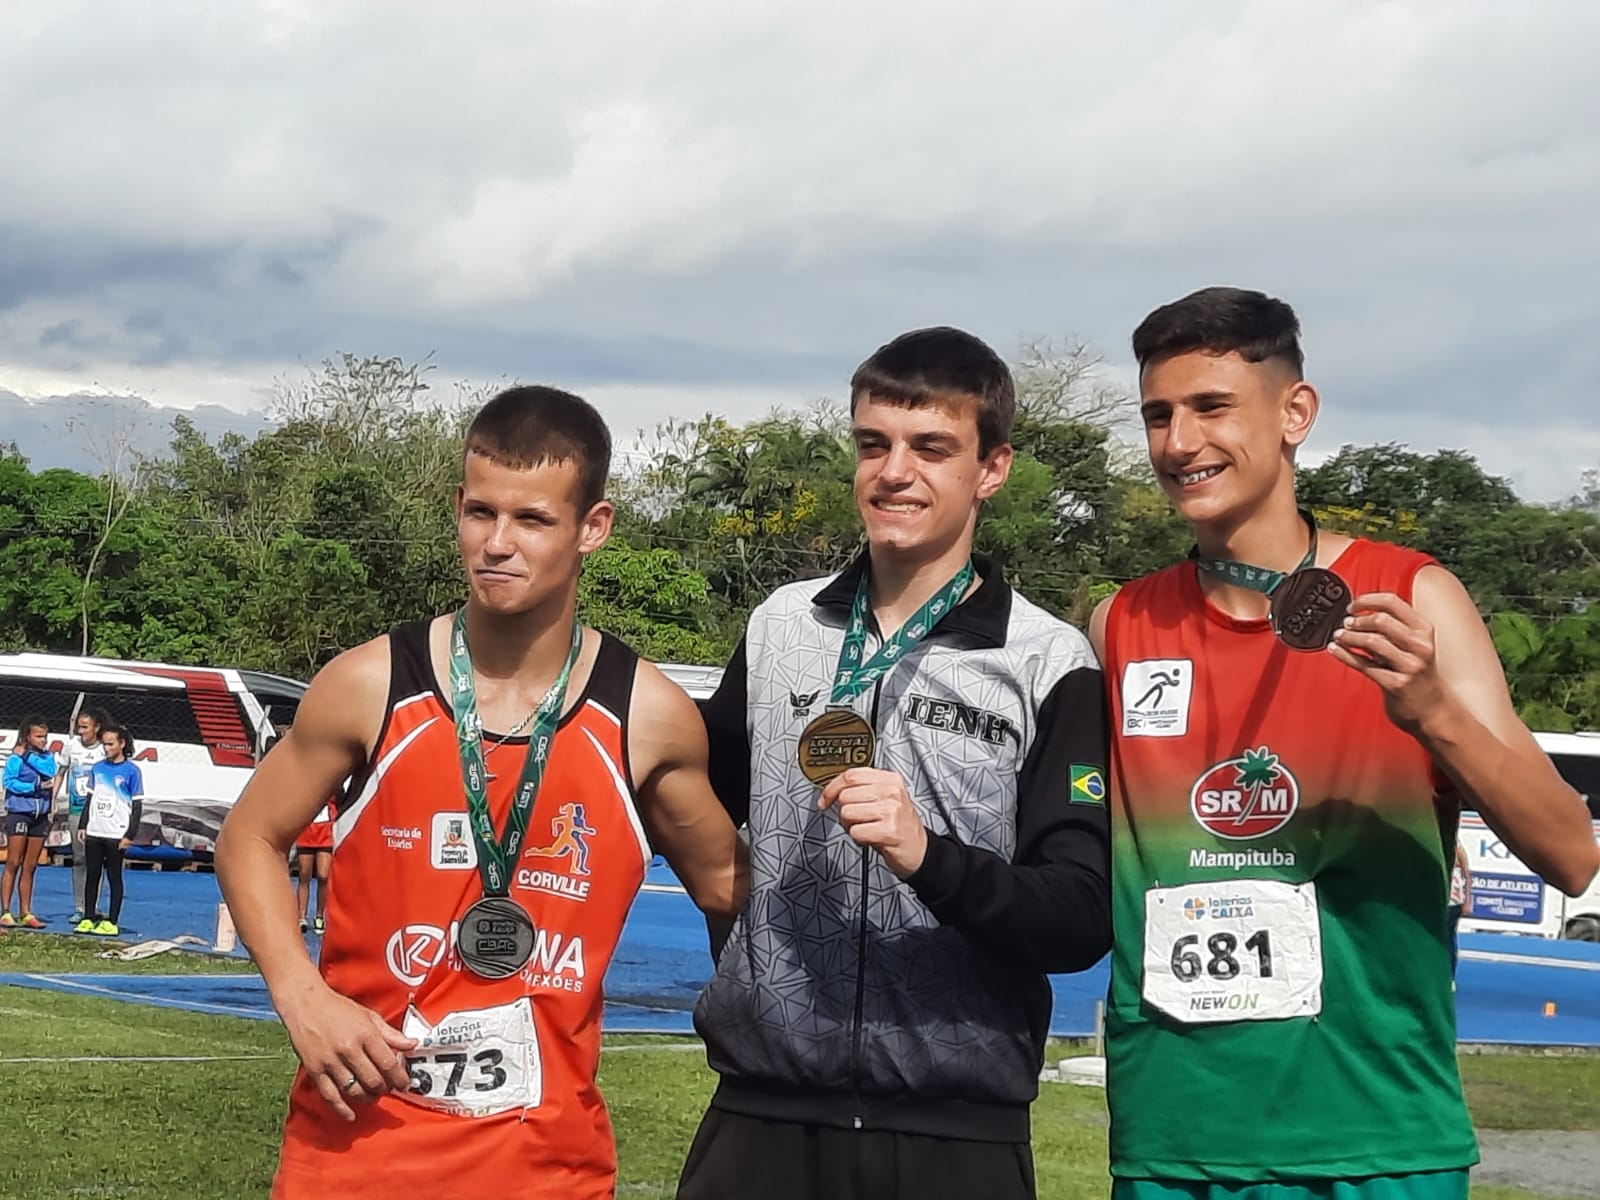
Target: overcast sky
691 206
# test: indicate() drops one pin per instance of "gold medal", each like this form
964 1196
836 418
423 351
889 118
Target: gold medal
833 743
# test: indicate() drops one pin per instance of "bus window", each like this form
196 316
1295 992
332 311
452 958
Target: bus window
54 702
150 716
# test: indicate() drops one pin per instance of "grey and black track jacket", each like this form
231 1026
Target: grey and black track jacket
845 996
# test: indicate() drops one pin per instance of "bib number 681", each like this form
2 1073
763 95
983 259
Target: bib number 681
1234 950
1220 961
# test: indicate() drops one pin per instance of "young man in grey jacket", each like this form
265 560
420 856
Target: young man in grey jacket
919 754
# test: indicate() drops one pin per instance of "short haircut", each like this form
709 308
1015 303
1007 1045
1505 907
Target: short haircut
942 366
526 427
1222 320
127 738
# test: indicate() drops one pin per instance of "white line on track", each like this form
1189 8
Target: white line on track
671 889
1529 960
166 1001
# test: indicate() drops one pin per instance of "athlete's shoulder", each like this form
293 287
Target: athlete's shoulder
657 698
367 663
664 724
1387 554
1372 566
352 690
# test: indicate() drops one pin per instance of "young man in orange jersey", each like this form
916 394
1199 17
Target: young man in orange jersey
918 754
480 879
1297 719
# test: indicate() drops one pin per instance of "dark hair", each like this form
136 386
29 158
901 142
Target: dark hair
942 364
127 738
27 725
1222 320
530 426
97 715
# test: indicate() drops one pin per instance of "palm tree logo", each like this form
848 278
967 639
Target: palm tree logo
1258 769
1250 796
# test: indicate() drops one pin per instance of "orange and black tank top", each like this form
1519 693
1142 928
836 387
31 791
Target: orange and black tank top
503 1099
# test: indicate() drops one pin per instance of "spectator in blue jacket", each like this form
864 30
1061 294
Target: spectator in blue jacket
29 780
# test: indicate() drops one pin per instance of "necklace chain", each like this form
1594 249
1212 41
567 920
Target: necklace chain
497 742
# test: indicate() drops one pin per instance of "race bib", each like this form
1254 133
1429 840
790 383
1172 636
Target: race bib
476 1063
80 786
1235 950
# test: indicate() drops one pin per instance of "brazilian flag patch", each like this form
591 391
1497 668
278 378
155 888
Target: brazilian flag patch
1088 785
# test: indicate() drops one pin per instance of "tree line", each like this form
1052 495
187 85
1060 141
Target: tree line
276 552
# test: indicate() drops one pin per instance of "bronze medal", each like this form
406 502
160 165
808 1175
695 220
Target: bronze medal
833 743
495 938
1309 607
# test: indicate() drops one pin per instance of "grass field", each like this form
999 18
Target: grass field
169 1130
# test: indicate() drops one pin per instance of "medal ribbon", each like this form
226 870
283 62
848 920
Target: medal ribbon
853 676
494 854
1257 579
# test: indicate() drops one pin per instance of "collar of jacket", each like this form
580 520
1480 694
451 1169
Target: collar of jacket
979 621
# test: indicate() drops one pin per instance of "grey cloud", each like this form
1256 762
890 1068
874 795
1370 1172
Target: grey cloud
753 197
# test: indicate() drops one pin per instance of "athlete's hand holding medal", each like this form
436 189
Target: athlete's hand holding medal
1378 633
876 810
836 749
1392 644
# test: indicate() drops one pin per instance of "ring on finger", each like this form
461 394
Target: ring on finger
350 1083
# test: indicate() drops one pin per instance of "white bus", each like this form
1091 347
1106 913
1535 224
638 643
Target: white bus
199 732
1509 898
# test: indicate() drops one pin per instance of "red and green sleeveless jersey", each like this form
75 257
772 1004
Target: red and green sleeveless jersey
1280 1000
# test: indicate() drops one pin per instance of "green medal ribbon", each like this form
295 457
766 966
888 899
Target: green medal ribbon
853 676
494 854
1257 579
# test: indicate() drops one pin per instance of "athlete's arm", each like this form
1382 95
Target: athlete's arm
1049 908
14 780
334 730
667 747
1443 684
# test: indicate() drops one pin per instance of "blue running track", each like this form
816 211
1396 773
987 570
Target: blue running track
1506 983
